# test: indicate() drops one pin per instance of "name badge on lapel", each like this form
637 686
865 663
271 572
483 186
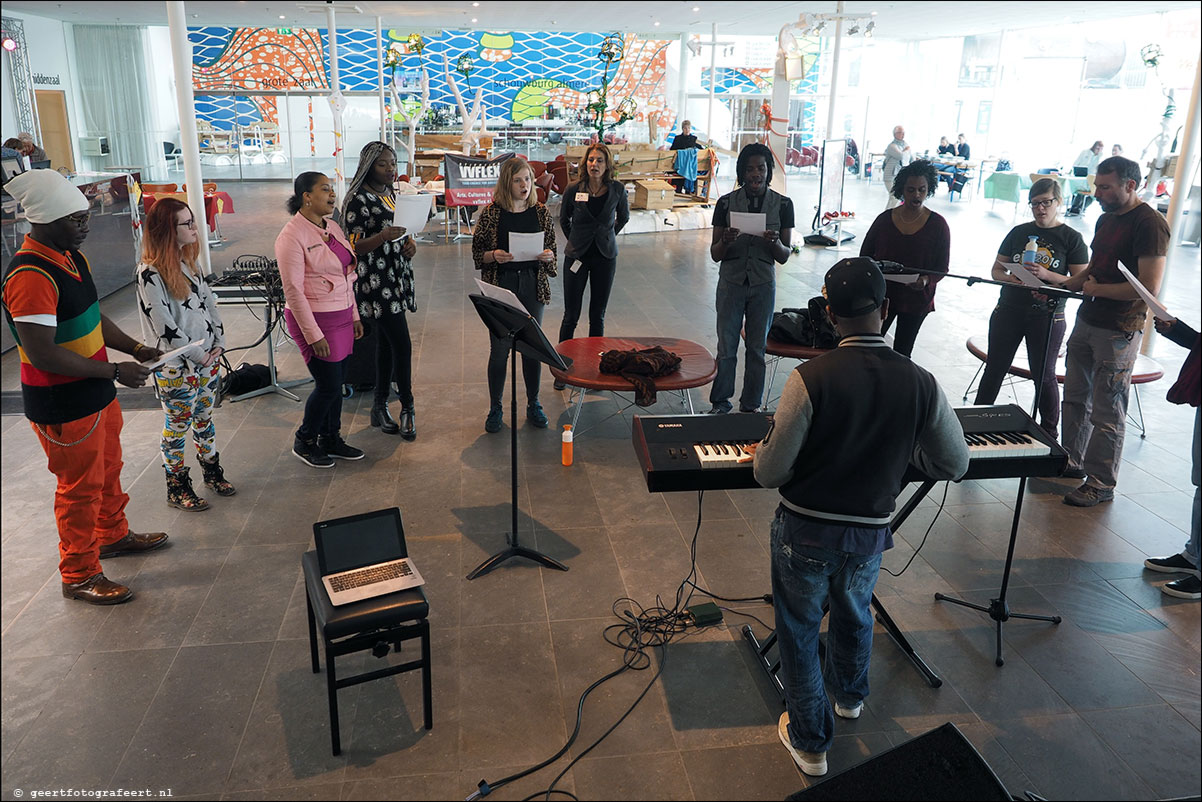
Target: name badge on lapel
582 197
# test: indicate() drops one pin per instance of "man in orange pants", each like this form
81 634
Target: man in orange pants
67 383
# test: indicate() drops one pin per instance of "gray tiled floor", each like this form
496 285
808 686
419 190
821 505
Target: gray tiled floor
202 683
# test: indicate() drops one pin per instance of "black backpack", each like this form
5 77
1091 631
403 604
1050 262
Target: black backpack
809 327
245 379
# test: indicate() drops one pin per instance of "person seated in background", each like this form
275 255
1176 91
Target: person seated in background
1117 150
946 148
1086 164
962 148
31 149
11 149
686 138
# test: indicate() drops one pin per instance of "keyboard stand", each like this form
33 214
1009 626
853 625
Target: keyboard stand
275 386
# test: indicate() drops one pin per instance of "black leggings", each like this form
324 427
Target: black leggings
523 283
323 407
1007 328
601 271
908 325
394 358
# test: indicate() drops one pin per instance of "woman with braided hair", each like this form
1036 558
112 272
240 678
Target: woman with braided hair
384 289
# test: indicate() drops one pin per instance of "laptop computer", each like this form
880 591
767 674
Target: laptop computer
363 556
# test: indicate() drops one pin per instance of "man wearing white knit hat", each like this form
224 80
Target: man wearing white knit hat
67 383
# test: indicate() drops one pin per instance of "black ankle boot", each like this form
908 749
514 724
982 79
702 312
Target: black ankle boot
408 424
180 493
381 418
215 477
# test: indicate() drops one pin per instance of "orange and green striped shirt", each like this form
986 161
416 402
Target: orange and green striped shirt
48 288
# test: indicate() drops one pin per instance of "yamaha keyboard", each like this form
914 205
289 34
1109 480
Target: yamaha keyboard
706 452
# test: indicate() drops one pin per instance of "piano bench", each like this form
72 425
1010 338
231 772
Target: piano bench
1146 370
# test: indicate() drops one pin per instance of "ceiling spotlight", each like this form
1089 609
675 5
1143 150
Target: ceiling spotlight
871 25
696 8
281 16
855 28
473 20
475 5
9 44
656 23
818 28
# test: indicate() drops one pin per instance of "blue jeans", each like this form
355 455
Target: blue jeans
1191 545
735 303
804 580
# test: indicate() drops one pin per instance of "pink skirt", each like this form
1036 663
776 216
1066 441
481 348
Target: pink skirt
338 328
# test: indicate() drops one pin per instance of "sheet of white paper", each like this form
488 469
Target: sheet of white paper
412 212
1156 306
1025 276
170 355
746 223
525 247
501 294
902 278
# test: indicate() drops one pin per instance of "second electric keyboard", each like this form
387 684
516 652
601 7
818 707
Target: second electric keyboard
706 452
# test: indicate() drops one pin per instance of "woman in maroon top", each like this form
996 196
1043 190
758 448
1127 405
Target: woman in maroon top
916 237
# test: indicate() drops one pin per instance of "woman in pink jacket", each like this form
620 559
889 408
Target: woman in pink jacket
317 268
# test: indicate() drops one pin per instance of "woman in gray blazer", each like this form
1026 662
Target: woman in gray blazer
594 210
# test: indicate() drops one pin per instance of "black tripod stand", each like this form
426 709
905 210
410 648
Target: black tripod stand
516 325
998 609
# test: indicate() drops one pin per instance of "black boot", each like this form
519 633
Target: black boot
180 493
408 424
215 477
381 418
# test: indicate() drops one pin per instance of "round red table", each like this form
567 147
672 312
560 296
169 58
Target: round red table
697 366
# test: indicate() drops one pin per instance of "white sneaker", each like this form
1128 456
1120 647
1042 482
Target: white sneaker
811 763
848 712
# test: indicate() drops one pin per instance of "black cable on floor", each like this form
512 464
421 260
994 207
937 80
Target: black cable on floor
938 512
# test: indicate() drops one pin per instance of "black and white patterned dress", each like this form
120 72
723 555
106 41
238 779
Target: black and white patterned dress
385 283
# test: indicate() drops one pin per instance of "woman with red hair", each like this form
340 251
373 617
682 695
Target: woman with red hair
178 308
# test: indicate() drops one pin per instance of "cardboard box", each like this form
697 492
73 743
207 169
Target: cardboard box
653 194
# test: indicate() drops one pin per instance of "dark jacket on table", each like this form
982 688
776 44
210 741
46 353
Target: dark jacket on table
583 229
484 239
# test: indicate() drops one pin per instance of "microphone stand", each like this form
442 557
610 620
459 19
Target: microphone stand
998 609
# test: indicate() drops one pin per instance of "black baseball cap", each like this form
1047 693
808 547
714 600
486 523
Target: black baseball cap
854 287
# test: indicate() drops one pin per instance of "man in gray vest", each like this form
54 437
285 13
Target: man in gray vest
747 263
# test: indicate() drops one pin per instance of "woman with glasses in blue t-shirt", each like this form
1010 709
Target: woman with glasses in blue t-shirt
1022 313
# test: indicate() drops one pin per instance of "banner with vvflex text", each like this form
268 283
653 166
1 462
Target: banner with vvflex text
470 181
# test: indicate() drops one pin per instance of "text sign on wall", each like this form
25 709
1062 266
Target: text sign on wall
470 181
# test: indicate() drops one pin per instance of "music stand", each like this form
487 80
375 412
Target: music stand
509 322
999 609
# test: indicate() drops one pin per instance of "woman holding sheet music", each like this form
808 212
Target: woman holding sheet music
916 237
384 289
514 212
1023 314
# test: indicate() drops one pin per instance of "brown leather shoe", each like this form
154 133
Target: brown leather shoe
97 589
134 544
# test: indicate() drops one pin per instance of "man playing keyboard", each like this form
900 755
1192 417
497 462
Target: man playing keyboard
848 425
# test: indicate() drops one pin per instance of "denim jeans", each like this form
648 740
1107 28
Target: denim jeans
323 407
1097 385
1191 545
804 580
735 303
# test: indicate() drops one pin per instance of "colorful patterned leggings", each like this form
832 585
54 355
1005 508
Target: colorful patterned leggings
188 398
